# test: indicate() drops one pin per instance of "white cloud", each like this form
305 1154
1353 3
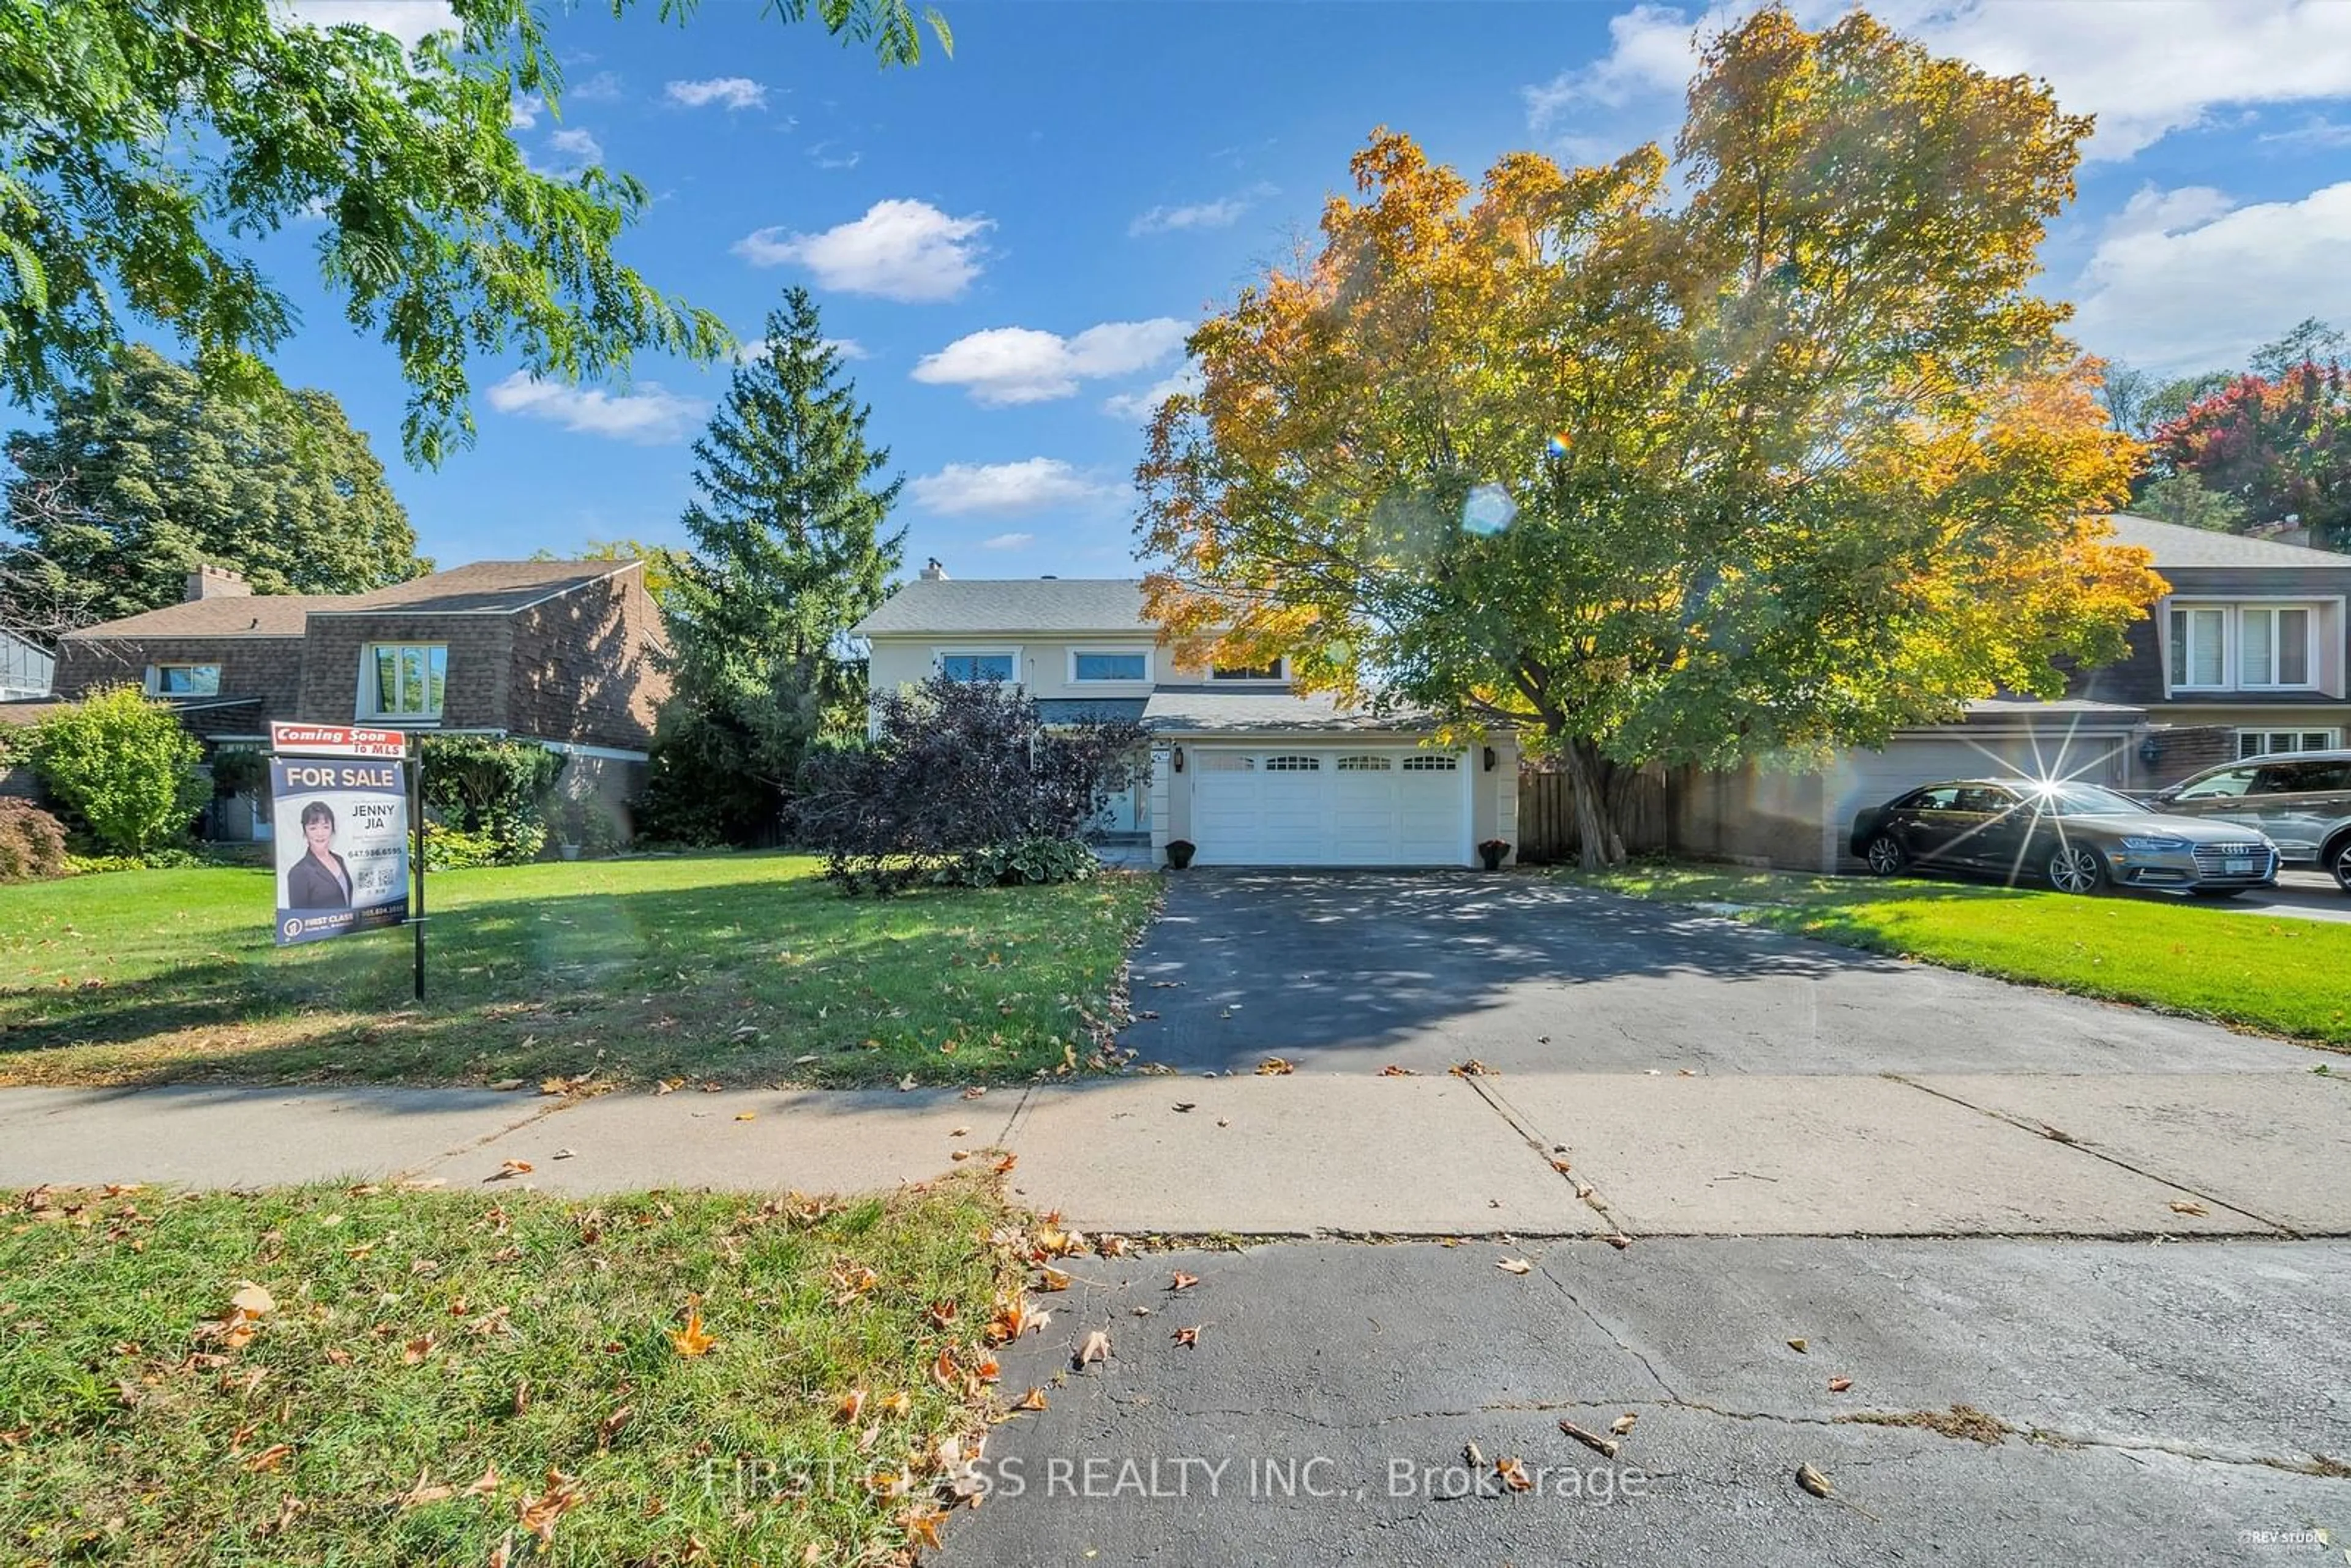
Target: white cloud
574 150
2145 71
407 20
1650 52
729 93
524 112
961 489
1008 541
1005 365
900 250
649 417
604 87
2317 131
822 156
1141 406
2183 281
1222 213
847 348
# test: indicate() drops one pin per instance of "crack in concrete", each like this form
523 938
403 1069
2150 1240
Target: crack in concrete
2043 1130
561 1102
1606 1328
1587 1193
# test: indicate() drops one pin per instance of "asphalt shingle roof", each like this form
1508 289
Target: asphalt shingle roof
965 605
495 586
255 615
2175 545
498 586
1189 709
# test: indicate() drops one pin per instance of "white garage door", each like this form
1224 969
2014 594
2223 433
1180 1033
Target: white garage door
1329 805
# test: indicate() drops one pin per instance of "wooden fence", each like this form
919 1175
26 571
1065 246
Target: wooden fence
1547 834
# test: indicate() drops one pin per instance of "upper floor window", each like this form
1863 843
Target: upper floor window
976 666
2243 647
1112 664
403 680
2273 645
1277 670
2198 646
183 680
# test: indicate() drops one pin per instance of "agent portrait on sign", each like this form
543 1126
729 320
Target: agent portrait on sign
320 880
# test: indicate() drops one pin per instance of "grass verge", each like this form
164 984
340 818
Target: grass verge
2274 976
737 969
432 1377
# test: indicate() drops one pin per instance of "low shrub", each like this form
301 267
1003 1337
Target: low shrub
154 860
448 848
32 842
121 764
1029 861
485 787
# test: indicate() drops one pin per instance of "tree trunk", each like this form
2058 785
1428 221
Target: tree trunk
1598 843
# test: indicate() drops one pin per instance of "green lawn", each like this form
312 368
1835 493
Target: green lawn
2276 975
425 1375
737 969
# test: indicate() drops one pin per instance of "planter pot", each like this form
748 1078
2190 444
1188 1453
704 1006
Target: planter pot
1493 858
569 851
1179 854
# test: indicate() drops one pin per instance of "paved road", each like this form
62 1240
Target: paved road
1350 971
2167 1404
2304 894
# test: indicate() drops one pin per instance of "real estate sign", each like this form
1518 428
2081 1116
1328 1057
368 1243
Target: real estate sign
342 844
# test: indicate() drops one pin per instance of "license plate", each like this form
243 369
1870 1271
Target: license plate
2236 868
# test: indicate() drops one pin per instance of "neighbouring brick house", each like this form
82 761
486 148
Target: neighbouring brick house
560 653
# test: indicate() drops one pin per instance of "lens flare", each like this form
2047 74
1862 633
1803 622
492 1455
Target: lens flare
1559 442
1489 511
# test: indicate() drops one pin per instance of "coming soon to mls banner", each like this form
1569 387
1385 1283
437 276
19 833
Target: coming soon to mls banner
343 846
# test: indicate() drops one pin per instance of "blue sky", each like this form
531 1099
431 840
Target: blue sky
1015 238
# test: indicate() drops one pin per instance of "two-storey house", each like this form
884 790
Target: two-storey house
1241 764
2247 652
558 652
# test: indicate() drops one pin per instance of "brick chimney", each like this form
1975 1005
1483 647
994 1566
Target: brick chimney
217 583
933 571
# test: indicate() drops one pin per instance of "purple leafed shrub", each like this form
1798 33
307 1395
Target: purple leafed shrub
965 784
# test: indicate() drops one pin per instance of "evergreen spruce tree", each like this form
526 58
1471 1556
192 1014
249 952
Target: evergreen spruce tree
788 552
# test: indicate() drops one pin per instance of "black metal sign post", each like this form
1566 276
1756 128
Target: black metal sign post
416 855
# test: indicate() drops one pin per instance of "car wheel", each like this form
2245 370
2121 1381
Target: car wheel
2077 868
1884 855
2339 861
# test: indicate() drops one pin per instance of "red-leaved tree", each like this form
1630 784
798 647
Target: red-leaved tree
2280 447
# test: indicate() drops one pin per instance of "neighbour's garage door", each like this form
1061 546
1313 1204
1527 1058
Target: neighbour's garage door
1356 806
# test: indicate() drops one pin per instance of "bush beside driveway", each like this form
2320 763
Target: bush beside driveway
734 968
2281 977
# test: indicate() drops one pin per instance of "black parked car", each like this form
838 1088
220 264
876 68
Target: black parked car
2079 838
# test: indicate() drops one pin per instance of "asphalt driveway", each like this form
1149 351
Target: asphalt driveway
1354 970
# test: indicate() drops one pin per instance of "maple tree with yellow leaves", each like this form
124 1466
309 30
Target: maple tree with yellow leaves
1753 452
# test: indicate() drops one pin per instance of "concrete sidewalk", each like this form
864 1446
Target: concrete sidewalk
1534 1154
